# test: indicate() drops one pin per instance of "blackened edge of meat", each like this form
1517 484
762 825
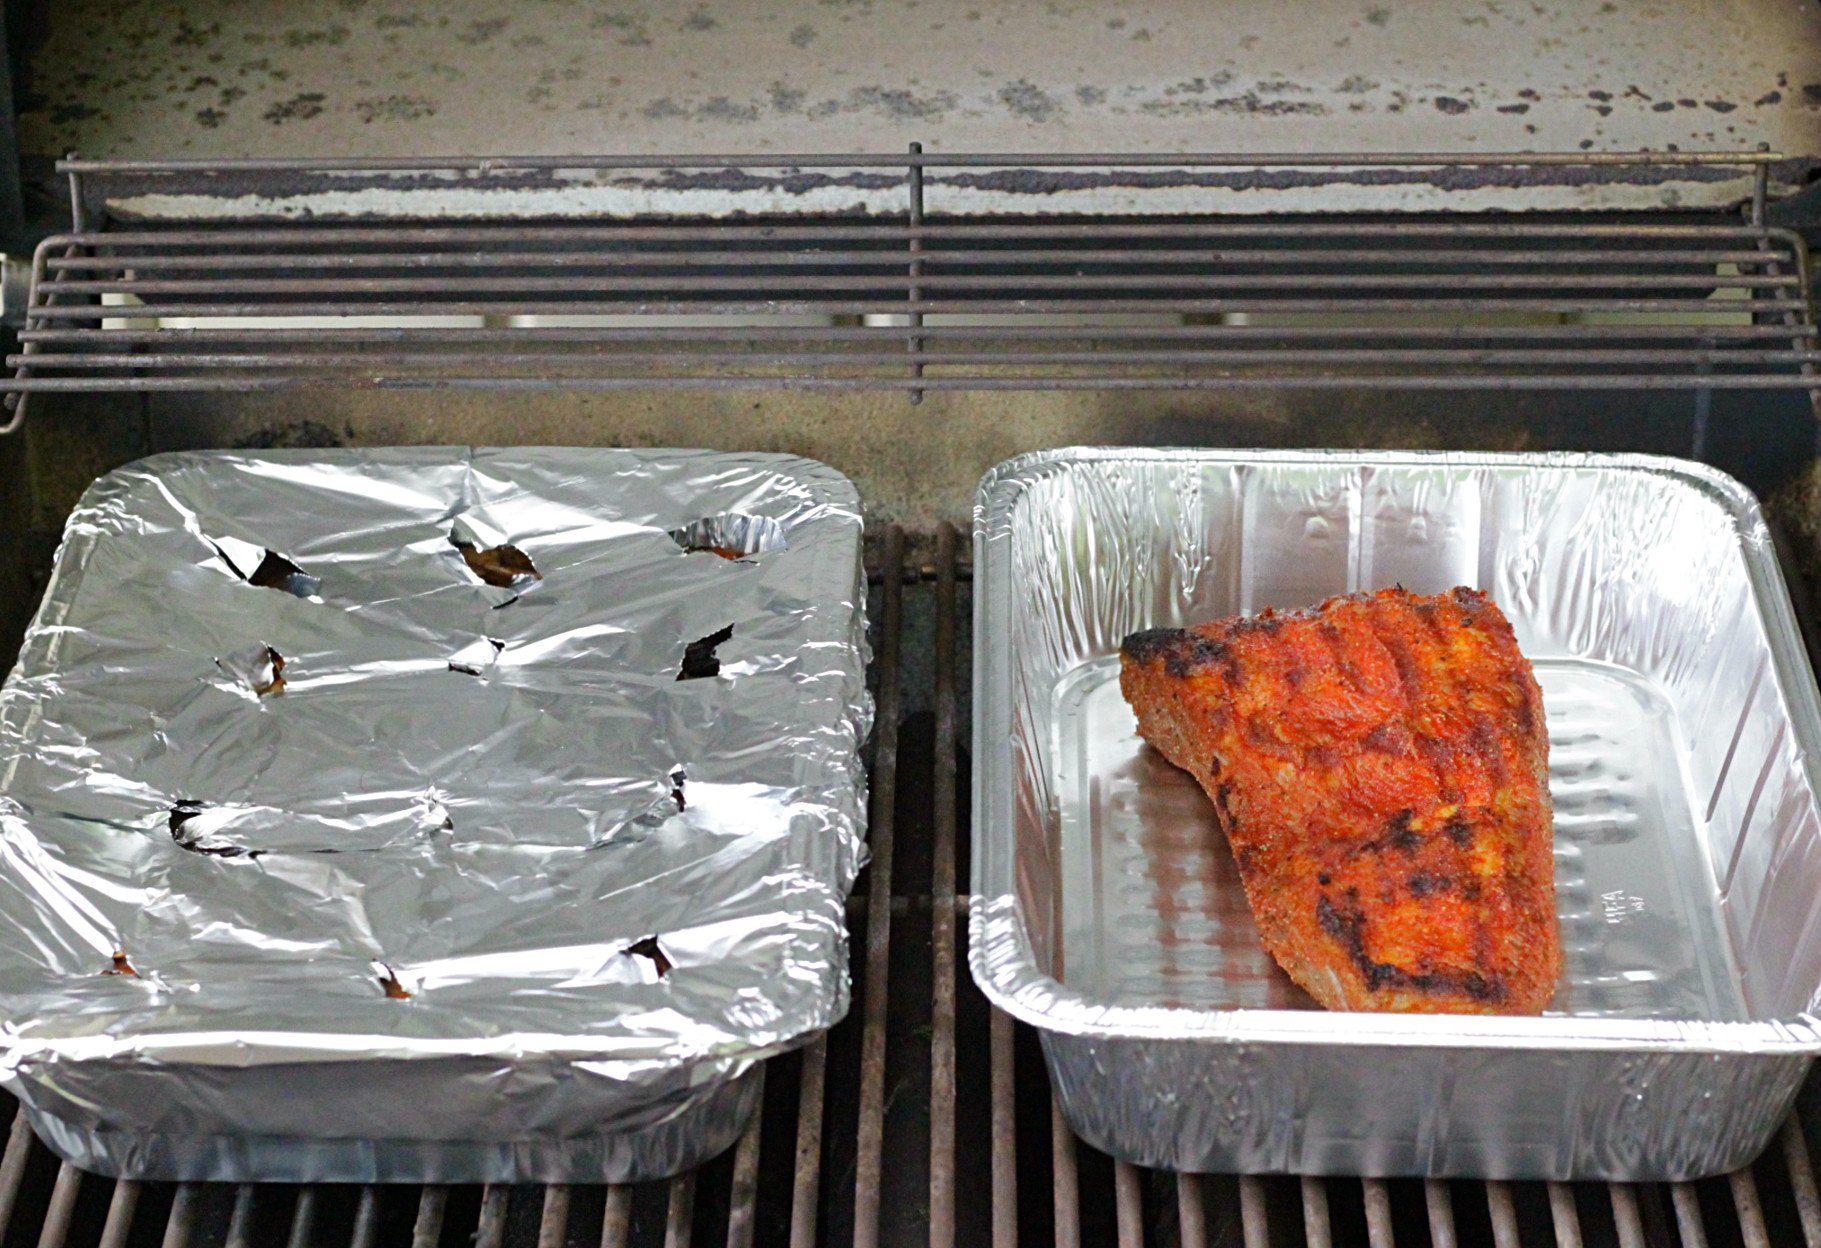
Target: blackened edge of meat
1472 601
1182 650
1399 834
1222 796
1425 882
1267 622
1349 930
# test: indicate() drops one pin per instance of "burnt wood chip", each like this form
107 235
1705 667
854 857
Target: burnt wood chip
699 659
501 566
276 572
392 988
648 948
121 966
277 682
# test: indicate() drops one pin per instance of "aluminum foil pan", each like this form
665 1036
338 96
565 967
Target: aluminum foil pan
430 814
1684 730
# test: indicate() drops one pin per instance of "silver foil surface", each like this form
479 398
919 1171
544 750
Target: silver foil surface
413 814
1683 726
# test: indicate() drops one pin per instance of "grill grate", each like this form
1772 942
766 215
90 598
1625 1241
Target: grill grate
917 1096
920 288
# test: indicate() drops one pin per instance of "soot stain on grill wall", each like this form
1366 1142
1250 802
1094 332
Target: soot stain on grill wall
309 434
216 84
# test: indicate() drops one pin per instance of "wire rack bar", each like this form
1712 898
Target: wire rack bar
932 297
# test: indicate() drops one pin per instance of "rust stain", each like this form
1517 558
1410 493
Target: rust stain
479 32
394 108
1023 98
300 107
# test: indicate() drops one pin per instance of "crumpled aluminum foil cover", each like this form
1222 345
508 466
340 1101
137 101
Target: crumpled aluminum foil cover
1684 727
412 814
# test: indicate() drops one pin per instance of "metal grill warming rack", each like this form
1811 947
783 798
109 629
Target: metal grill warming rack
914 272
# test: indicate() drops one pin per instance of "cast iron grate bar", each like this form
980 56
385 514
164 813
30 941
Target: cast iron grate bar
924 293
787 1180
881 827
942 1089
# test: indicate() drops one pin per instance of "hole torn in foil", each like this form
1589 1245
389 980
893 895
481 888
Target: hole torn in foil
193 827
121 966
734 536
388 982
477 658
261 670
699 661
431 812
661 809
265 568
648 948
505 567
667 806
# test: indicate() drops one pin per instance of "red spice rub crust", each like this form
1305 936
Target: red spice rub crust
1380 767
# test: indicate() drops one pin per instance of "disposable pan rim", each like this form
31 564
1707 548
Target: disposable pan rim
999 954
1800 1036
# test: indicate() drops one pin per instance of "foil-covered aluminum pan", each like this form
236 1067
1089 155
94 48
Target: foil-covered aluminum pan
1684 731
430 814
